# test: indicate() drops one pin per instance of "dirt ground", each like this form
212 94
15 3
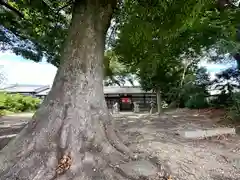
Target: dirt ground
207 159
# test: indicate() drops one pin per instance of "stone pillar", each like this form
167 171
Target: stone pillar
152 106
116 108
136 107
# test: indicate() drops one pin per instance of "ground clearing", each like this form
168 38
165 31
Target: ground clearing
207 159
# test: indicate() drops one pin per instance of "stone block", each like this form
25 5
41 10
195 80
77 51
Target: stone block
200 134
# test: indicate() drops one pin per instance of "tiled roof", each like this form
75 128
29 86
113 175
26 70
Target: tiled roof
42 90
110 90
124 90
24 88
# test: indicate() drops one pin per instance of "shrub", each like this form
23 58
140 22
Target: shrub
234 109
2 112
197 101
2 100
18 103
30 103
13 102
221 101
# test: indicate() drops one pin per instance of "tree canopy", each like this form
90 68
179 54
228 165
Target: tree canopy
150 41
158 46
35 29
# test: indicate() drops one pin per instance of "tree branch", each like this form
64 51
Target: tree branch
66 5
8 6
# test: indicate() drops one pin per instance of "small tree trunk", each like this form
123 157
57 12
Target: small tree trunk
71 136
159 101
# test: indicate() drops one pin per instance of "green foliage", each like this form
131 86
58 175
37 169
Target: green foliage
194 84
197 101
155 33
2 113
227 82
18 103
35 29
234 110
115 72
202 78
222 100
154 42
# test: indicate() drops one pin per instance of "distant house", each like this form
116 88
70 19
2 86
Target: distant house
25 89
125 96
43 93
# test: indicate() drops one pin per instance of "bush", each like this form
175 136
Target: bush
2 112
3 97
18 103
221 101
197 101
234 109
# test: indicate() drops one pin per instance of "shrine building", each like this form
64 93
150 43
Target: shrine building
124 95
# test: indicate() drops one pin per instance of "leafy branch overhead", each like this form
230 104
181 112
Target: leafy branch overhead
40 27
39 31
115 72
153 42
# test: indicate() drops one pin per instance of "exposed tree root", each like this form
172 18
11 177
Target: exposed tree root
120 137
117 143
86 158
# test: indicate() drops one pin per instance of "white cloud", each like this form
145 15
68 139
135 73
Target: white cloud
18 70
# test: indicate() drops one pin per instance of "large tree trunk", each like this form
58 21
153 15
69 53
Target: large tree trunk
71 136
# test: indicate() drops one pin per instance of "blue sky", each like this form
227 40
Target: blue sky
18 70
21 71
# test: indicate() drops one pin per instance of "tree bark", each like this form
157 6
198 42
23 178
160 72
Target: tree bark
159 101
71 135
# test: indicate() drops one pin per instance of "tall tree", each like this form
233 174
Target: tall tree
71 136
146 46
159 78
